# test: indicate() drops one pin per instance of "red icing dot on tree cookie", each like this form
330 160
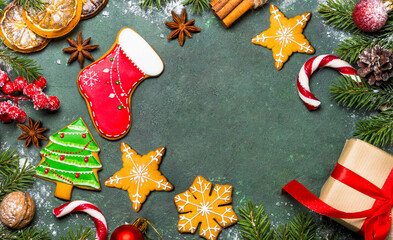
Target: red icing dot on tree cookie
62 135
84 135
86 159
62 157
46 170
77 175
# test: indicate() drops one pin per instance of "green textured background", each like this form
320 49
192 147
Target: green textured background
220 107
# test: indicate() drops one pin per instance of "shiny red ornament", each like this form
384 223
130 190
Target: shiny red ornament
370 15
127 232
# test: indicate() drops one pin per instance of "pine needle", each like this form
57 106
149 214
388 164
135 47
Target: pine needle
338 13
255 223
36 5
28 233
22 66
377 129
302 227
12 177
351 94
80 234
197 6
150 3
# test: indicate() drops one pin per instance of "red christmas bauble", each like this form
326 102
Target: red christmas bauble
127 232
370 15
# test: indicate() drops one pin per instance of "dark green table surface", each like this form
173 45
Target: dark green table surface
220 107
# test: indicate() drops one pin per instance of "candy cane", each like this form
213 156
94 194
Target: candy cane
303 79
89 208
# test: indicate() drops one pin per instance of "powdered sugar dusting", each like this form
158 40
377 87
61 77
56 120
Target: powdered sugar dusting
286 3
153 14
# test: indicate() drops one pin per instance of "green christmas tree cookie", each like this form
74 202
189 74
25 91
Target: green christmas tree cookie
71 159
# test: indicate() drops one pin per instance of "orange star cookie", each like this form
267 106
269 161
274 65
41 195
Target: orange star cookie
140 175
285 36
197 205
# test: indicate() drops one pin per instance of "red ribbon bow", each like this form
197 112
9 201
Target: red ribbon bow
378 217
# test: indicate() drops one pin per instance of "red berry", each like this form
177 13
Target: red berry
8 88
54 103
40 101
370 15
14 112
20 83
31 90
5 118
40 82
4 107
3 78
22 117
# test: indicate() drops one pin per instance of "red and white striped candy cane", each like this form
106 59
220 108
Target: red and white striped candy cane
89 208
303 79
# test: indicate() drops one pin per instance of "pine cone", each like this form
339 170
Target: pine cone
376 65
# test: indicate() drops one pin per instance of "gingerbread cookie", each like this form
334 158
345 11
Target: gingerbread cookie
197 206
140 175
71 159
107 84
285 36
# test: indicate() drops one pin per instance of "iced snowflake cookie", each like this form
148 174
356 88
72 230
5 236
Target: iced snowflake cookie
107 84
140 175
285 36
197 206
71 159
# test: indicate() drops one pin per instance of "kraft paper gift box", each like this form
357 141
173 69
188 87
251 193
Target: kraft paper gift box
366 160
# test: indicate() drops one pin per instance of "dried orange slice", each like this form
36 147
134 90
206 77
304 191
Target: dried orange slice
57 18
92 7
17 34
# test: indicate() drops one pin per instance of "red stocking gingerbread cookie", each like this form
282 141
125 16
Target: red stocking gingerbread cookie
107 84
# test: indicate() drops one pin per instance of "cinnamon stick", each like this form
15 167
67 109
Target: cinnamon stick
227 8
218 5
214 2
243 7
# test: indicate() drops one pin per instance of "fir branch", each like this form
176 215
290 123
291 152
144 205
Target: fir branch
197 6
29 233
302 227
8 162
281 232
350 48
351 94
80 234
13 177
150 3
36 5
338 13
22 66
377 129
255 223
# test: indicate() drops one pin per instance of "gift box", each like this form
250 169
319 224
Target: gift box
358 194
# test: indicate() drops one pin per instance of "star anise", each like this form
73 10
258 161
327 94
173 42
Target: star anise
32 133
181 26
80 49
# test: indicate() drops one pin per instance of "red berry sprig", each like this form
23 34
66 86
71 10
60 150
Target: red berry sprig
9 109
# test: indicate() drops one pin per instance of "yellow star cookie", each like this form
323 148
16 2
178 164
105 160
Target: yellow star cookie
285 36
139 175
197 205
